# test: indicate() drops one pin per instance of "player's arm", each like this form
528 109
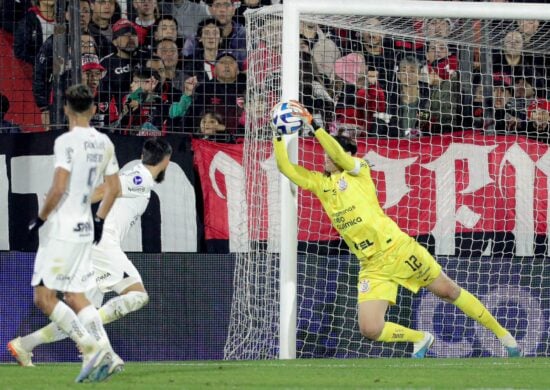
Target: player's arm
329 144
110 191
54 195
297 174
99 193
343 159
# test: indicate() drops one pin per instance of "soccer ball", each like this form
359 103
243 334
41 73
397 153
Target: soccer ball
285 118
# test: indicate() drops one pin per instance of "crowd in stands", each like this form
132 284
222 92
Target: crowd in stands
182 66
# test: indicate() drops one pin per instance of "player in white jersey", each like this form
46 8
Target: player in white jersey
113 270
83 157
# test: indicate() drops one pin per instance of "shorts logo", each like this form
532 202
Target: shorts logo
137 180
364 286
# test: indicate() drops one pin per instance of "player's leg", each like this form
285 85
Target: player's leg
131 298
446 289
22 347
117 273
375 293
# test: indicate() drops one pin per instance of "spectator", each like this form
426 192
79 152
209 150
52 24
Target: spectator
224 94
147 13
408 99
513 61
188 15
212 128
170 55
441 115
538 127
313 94
6 127
498 122
531 32
142 109
233 34
42 84
92 74
102 14
33 30
203 62
246 5
438 28
325 53
165 27
361 98
377 53
11 12
120 65
168 92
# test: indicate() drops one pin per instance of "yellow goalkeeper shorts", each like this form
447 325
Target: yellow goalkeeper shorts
407 263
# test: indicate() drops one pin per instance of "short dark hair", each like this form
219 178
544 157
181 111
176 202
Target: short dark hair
79 98
346 143
146 73
154 150
207 22
165 17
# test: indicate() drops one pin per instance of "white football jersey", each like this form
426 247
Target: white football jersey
136 186
88 155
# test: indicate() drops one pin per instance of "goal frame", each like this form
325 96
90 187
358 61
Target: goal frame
292 9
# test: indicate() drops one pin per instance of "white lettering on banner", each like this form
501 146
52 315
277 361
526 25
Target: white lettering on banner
237 208
445 186
525 186
500 296
178 213
394 175
4 209
274 216
32 175
544 165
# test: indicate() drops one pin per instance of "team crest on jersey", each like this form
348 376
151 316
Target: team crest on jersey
364 286
137 180
342 184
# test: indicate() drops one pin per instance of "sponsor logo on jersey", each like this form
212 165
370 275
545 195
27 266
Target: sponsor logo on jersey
102 277
122 69
342 184
87 276
82 227
364 286
137 180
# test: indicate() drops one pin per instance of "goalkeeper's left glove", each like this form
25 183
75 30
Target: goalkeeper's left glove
306 116
98 229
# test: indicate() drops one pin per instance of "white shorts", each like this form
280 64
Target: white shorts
64 266
113 270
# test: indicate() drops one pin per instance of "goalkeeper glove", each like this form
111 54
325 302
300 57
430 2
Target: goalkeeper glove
98 229
306 116
35 224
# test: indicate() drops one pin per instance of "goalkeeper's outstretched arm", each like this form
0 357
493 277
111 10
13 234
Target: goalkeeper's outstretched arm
297 174
333 149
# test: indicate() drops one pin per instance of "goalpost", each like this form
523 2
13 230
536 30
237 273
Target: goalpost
295 289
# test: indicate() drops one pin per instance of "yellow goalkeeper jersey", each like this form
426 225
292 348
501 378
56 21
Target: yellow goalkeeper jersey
349 197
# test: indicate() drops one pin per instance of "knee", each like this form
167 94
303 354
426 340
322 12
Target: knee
45 302
449 292
371 329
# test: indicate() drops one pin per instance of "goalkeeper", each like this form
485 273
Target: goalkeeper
388 257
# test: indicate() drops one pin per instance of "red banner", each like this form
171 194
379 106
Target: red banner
440 186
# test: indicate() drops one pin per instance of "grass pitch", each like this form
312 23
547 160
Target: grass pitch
477 373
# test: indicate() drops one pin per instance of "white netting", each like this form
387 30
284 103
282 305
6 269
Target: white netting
454 117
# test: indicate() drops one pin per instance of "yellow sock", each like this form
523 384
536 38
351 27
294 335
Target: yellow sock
473 308
394 332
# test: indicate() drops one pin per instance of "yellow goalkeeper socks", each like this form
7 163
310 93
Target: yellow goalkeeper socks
394 332
473 308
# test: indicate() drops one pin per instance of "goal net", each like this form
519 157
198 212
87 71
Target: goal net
453 116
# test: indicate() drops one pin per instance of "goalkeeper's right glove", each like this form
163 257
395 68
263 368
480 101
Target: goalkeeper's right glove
306 116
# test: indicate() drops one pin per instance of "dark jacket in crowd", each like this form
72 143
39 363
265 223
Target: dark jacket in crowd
28 37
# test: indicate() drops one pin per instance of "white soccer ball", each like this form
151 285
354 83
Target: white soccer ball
285 118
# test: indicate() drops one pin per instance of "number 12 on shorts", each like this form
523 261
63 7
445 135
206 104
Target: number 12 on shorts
414 263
